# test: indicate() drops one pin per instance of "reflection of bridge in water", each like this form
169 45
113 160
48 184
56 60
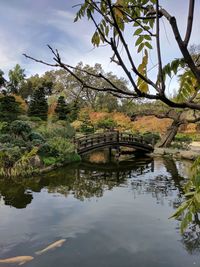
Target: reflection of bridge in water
111 140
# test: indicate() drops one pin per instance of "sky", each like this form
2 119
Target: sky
27 26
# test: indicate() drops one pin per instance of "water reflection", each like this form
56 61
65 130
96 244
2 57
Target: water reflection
143 179
83 180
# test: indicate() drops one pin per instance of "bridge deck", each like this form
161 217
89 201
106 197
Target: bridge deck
111 139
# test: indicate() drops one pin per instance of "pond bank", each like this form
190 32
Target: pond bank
191 154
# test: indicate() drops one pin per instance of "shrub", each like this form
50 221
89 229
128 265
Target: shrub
151 137
181 141
19 142
5 138
107 123
63 147
46 150
36 136
20 128
55 130
8 157
23 118
37 142
183 138
35 119
49 160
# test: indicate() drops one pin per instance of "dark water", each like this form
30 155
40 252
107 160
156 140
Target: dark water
110 215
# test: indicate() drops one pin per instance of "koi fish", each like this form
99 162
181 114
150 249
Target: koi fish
20 260
54 245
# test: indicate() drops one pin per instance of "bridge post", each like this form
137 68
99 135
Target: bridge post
118 137
110 153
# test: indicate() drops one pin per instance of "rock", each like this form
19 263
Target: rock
192 155
36 161
159 151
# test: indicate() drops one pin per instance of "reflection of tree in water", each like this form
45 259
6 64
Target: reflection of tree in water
191 237
82 180
14 195
86 181
162 186
92 180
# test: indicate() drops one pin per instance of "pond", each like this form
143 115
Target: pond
110 215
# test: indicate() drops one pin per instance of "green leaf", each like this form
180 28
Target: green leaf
180 210
96 39
141 46
148 45
147 37
139 40
138 31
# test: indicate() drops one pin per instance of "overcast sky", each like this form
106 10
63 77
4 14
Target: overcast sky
27 26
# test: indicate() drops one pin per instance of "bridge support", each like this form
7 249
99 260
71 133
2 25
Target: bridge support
110 153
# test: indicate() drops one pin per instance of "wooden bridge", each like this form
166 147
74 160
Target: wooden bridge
91 142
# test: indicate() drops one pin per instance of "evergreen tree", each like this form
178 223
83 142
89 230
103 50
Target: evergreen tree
38 106
62 109
9 108
16 78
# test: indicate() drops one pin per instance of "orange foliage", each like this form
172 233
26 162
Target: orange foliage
21 101
51 108
151 124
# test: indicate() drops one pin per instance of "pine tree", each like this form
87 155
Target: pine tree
62 109
9 108
38 106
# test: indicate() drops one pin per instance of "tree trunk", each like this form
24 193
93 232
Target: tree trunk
167 138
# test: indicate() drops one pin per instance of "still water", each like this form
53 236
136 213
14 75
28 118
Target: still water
110 215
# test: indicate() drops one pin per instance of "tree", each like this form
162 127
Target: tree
38 106
16 77
9 108
62 108
2 79
31 84
110 19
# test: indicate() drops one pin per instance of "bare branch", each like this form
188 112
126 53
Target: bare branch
160 71
190 22
183 48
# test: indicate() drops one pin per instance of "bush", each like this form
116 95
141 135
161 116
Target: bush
107 123
36 136
8 157
37 142
5 138
49 161
35 119
19 143
63 147
47 151
23 118
20 128
181 141
55 130
151 137
183 138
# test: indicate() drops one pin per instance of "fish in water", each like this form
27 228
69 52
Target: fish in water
19 260
56 244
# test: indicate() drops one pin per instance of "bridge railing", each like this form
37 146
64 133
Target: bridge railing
106 138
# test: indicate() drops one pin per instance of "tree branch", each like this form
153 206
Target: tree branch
190 22
183 48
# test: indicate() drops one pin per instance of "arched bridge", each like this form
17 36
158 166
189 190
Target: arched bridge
113 140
